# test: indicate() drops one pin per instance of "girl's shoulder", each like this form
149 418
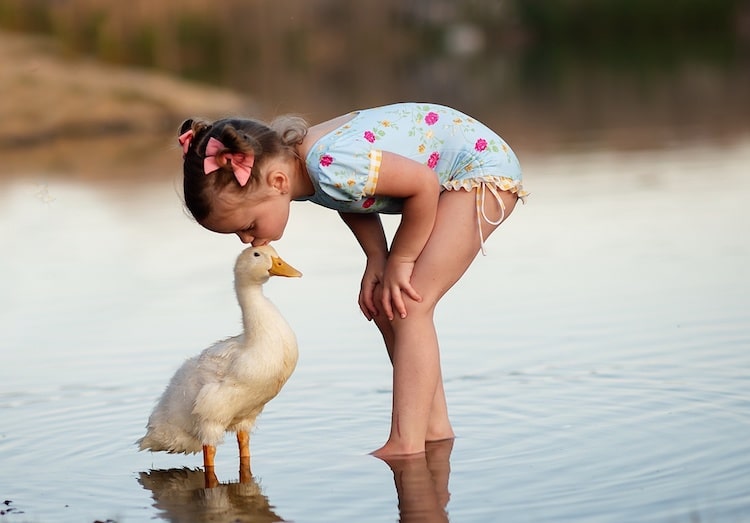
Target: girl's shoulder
319 131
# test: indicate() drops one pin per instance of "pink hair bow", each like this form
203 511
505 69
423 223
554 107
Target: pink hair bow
185 139
242 164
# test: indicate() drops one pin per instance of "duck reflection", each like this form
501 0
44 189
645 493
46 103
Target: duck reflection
192 496
422 483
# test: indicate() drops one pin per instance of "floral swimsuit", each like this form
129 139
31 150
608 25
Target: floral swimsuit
465 154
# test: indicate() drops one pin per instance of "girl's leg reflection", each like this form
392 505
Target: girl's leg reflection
422 482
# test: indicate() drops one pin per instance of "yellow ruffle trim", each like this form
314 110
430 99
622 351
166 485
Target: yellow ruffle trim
501 183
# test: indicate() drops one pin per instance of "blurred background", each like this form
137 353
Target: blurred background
612 73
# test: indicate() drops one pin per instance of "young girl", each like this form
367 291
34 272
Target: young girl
452 179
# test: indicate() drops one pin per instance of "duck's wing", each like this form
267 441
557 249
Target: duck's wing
218 394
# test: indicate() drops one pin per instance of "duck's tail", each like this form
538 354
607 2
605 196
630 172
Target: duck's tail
173 440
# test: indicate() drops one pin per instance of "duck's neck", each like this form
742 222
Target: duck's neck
257 310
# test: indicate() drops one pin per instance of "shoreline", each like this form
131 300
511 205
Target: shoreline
76 115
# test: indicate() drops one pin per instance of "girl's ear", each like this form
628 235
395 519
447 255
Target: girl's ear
279 181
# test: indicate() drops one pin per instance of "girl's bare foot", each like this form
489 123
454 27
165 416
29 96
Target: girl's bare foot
392 450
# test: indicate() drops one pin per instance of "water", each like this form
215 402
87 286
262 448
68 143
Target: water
596 361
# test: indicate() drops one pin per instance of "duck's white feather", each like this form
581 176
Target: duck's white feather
226 386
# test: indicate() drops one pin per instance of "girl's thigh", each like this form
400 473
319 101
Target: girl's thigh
454 242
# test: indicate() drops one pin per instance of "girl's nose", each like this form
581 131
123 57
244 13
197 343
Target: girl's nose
245 237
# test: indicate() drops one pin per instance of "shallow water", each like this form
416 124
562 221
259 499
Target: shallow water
596 361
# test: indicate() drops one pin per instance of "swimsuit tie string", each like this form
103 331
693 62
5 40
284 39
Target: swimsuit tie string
481 213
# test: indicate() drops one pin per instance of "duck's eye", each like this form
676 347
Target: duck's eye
256 254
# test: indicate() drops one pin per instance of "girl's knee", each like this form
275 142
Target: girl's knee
416 311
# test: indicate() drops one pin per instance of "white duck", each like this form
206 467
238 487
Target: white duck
226 386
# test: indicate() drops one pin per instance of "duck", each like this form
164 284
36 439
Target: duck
225 387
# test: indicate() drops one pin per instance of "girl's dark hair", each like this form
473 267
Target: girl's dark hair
238 136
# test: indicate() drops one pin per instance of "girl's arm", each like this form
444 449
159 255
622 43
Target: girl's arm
368 229
418 185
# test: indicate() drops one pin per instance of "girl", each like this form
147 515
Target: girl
452 179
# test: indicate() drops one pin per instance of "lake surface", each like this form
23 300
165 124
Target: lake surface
596 362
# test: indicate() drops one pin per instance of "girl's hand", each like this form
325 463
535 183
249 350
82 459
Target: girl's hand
419 190
372 277
396 283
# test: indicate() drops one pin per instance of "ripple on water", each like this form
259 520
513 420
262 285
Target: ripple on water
619 393
649 441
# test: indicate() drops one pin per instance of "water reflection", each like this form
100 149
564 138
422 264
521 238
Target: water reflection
422 483
183 496
193 496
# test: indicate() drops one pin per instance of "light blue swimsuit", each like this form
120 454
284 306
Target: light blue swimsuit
465 154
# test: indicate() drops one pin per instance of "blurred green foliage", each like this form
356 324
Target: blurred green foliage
527 64
598 21
625 33
216 41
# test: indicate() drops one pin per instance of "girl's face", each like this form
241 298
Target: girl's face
258 216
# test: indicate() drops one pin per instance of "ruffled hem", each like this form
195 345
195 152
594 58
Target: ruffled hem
501 183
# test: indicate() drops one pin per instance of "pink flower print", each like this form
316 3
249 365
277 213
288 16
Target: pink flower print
326 160
481 145
368 203
431 118
432 162
369 136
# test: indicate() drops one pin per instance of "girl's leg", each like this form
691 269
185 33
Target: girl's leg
419 410
439 427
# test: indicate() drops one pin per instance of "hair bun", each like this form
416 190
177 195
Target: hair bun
186 126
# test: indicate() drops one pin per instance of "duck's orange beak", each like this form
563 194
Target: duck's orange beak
281 268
